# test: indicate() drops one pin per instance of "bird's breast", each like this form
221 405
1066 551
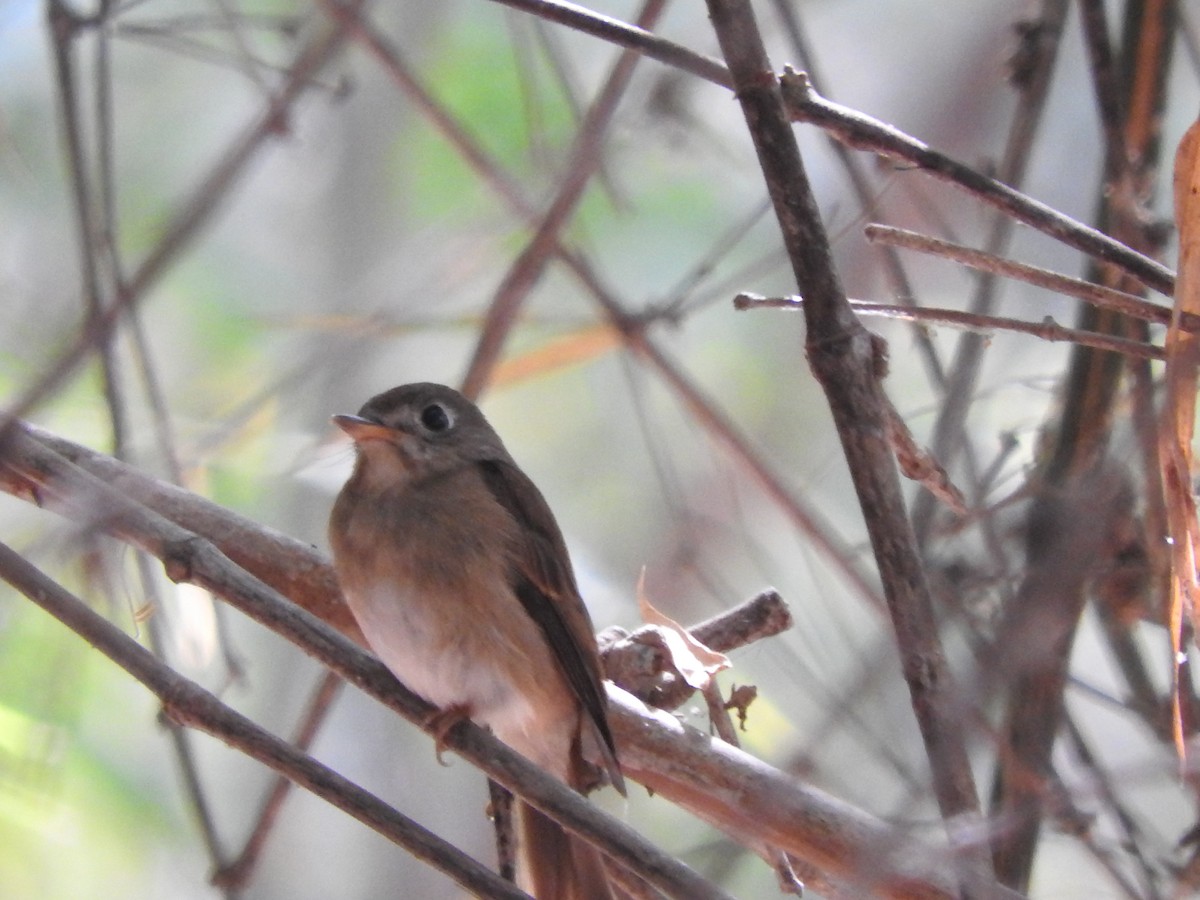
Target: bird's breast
430 586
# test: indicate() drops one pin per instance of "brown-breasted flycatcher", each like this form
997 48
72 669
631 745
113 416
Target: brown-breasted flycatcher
458 575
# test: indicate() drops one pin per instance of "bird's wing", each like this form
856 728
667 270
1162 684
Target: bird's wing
546 588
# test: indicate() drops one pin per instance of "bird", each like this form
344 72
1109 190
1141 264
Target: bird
458 575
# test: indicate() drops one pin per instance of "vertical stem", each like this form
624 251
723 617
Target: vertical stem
844 358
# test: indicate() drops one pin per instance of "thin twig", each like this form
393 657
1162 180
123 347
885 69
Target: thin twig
236 874
182 744
1130 832
560 63
66 27
1089 292
527 269
1047 329
623 34
1040 39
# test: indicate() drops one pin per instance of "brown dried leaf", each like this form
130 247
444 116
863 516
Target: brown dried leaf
571 349
740 699
919 465
1178 417
692 659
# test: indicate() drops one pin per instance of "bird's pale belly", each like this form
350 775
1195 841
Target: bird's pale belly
492 660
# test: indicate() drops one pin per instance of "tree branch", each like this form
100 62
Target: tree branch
733 791
843 358
188 704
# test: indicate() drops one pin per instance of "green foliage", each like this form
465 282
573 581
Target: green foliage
73 816
474 75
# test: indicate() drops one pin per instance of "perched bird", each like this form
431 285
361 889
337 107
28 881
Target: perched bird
458 575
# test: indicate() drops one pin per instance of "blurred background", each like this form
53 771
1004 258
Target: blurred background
357 250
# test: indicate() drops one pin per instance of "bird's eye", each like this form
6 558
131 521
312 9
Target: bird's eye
436 417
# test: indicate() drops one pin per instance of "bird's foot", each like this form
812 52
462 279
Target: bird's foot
441 722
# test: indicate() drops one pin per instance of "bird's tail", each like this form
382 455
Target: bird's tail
559 866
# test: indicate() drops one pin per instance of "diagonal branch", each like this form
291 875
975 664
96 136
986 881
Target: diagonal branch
862 132
865 133
731 789
527 269
186 703
189 557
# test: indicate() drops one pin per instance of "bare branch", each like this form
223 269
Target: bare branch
186 703
683 765
865 133
1096 294
527 269
1047 329
843 358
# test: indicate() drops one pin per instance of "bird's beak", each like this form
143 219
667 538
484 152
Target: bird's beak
361 429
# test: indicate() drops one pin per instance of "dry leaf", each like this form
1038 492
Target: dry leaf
572 349
692 659
919 465
740 699
1178 415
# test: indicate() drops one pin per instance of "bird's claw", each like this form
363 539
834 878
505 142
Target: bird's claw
440 723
